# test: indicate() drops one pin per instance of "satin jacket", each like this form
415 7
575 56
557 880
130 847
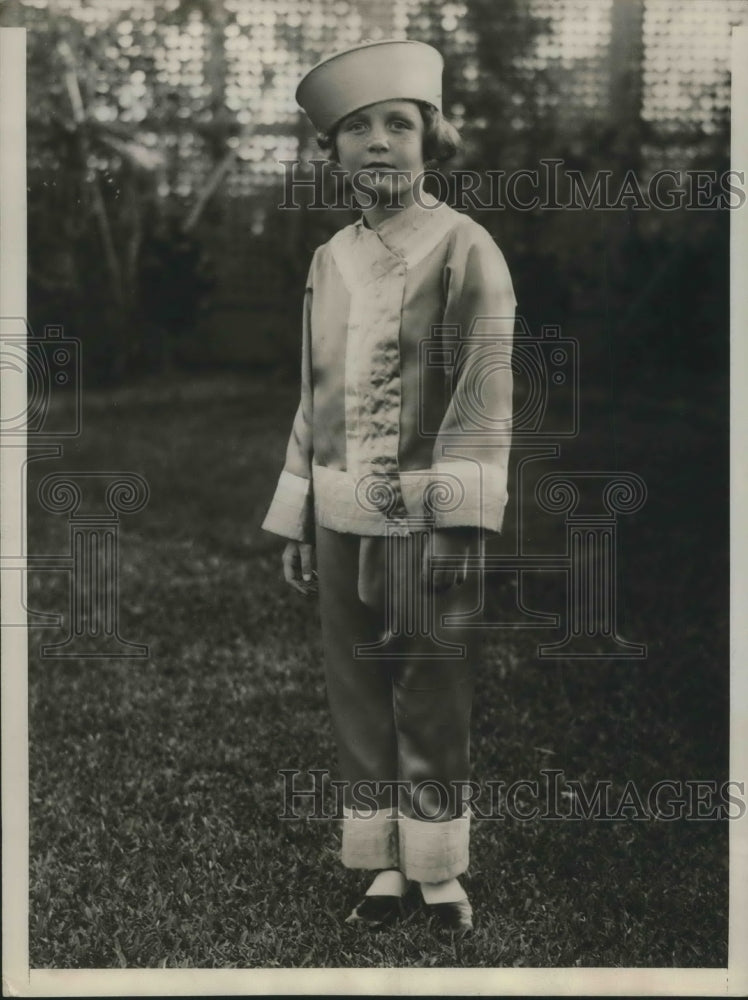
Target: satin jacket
406 387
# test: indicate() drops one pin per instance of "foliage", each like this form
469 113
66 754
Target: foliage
98 218
124 156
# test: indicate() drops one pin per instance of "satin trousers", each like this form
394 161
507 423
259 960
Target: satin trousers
399 679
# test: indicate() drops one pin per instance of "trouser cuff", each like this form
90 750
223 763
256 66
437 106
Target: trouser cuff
370 839
434 852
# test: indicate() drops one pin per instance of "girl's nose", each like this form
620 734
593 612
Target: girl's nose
378 139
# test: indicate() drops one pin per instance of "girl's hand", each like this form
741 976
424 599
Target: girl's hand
453 542
298 567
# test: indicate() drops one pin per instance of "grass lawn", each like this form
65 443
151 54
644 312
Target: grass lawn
155 794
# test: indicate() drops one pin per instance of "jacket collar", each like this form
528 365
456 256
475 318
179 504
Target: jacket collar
398 231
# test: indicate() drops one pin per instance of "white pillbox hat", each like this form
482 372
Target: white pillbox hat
365 74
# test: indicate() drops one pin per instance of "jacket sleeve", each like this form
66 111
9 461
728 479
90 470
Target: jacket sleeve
291 513
471 452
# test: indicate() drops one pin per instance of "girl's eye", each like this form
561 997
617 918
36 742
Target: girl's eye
355 127
400 123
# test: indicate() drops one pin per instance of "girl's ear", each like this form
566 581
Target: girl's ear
328 144
441 140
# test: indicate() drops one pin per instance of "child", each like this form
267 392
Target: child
396 465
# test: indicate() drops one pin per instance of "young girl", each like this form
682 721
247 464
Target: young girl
396 466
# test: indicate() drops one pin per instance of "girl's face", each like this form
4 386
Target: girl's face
385 140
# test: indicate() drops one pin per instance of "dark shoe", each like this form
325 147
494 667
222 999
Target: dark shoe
454 917
376 911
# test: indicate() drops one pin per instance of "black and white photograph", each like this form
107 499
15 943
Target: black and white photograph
371 480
